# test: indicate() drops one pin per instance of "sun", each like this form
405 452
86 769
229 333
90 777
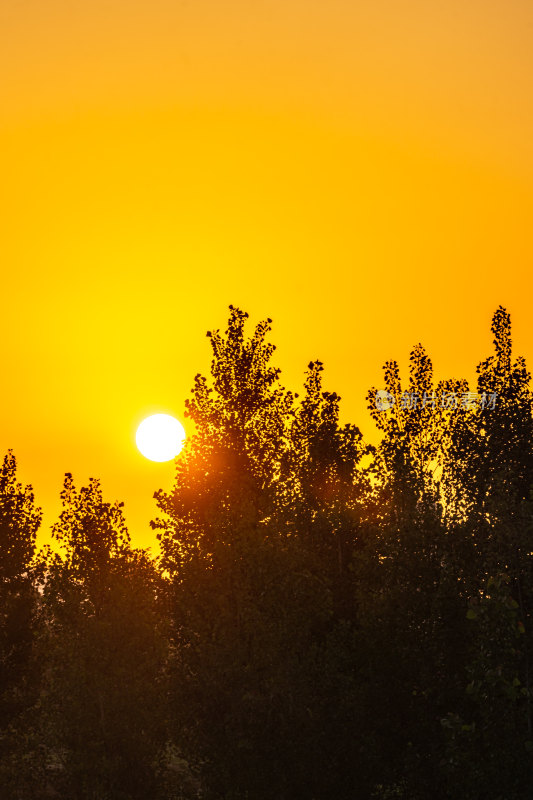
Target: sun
160 437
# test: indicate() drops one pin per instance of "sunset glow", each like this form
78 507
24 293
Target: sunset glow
266 479
359 172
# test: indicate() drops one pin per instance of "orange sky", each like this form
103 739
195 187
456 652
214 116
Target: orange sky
359 172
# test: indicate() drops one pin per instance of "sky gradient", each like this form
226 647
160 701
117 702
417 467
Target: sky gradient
359 172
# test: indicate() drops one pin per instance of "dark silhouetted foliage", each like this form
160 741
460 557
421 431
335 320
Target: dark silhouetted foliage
326 619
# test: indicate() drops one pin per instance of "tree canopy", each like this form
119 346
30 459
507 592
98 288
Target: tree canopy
325 618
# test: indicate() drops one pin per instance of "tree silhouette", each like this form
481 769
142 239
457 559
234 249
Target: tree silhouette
325 619
103 702
19 680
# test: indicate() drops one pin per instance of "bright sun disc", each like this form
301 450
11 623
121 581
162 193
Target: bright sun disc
160 437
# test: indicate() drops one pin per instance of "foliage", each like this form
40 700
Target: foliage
19 678
326 619
102 709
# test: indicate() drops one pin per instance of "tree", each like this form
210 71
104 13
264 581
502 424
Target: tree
103 704
260 529
489 472
19 676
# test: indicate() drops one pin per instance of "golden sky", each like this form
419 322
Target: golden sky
361 172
